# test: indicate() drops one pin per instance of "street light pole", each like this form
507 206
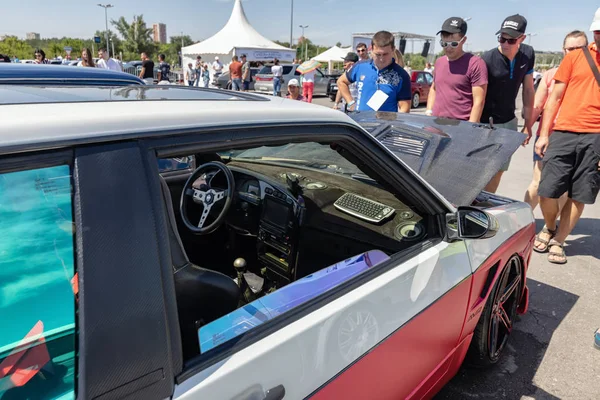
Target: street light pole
292 26
305 42
106 7
530 35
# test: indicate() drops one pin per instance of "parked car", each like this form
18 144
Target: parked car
264 80
420 82
224 82
299 255
45 75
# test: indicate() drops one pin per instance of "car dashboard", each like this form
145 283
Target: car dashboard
293 212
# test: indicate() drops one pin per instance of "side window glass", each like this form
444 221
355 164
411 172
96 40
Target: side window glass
429 78
38 285
420 79
175 164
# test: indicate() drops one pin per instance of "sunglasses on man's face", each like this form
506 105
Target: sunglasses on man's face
510 41
453 44
361 51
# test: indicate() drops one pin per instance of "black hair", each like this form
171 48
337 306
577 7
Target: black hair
161 57
40 51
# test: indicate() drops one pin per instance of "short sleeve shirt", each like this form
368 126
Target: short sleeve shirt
165 69
504 80
454 81
245 70
580 105
148 66
393 80
235 70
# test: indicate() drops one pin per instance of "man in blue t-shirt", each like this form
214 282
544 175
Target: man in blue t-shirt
381 84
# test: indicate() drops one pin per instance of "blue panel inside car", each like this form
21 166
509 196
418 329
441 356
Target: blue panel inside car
268 307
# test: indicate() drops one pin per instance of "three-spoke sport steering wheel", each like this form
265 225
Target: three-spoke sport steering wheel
207 197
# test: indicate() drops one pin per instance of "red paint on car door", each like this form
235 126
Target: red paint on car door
410 361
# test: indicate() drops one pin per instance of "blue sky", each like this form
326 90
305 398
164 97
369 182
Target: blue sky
329 21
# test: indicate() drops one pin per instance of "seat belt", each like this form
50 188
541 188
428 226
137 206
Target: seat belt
590 60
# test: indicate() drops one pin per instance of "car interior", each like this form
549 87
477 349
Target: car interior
244 223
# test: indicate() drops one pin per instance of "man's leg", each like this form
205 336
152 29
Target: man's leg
311 89
531 195
493 184
557 170
569 216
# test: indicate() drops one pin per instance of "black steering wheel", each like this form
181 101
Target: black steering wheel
207 196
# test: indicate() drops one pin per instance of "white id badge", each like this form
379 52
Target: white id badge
377 100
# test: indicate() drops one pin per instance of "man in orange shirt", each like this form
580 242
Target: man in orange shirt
571 157
235 74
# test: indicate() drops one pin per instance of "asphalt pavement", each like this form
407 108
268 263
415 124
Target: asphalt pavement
550 354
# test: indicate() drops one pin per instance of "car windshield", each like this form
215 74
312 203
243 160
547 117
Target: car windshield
266 70
309 155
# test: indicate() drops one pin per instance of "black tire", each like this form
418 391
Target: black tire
416 100
228 87
483 351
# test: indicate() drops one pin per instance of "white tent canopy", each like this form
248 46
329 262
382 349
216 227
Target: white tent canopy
334 54
237 37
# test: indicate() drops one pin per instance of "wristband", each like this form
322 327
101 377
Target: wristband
351 103
428 112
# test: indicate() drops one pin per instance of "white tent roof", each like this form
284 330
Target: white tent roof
237 37
333 54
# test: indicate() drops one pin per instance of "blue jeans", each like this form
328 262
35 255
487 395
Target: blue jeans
236 84
198 74
276 85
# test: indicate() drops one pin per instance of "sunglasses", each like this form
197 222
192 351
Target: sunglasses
454 44
361 51
510 41
574 48
38 55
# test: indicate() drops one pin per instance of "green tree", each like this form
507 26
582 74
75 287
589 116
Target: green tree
14 47
137 37
339 44
53 49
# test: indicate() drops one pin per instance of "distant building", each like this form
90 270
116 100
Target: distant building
160 33
32 36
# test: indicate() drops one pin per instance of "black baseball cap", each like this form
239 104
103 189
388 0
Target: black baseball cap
514 26
243 55
454 25
351 57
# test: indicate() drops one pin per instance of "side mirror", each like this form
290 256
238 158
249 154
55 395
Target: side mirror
471 223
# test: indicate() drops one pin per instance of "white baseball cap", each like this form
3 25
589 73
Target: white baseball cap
293 82
216 57
596 21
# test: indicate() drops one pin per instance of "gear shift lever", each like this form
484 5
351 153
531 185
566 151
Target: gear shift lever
240 267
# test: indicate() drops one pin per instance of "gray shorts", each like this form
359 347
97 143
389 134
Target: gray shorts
513 125
571 165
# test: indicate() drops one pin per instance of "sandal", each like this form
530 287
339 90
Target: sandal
545 242
562 257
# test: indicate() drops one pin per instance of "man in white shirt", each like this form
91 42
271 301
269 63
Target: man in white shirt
277 71
107 63
189 75
217 68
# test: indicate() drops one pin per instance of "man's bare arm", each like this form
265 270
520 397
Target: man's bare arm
479 93
528 100
404 106
431 97
344 88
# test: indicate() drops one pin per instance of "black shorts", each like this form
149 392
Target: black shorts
571 165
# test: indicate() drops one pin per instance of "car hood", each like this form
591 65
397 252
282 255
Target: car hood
457 158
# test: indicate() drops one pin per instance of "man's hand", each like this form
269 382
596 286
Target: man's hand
541 146
528 138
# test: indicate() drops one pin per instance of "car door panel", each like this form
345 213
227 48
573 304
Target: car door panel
308 353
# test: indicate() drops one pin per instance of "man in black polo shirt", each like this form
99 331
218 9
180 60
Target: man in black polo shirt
509 66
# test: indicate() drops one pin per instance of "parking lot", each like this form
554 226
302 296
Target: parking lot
551 353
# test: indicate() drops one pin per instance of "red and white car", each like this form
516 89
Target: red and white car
288 252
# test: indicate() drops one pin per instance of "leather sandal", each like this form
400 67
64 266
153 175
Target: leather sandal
562 257
545 242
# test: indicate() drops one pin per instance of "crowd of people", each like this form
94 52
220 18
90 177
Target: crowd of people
566 171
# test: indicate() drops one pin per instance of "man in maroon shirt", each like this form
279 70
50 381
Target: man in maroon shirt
459 79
